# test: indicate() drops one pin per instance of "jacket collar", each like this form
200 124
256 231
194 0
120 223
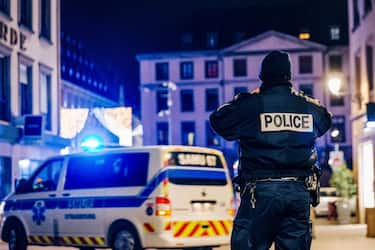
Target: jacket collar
279 86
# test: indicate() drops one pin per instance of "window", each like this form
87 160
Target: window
370 67
4 88
26 95
335 63
367 7
358 80
162 133
161 100
5 6
45 99
212 40
239 67
187 100
336 100
212 99
356 18
212 69
334 33
46 178
338 129
238 90
45 19
162 71
5 176
188 133
212 139
186 70
305 64
107 171
25 12
307 89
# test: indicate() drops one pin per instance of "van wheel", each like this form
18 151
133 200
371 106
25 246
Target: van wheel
17 238
126 240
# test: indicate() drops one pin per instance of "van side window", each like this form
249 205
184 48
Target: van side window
106 171
47 178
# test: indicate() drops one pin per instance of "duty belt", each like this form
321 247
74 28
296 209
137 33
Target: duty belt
251 186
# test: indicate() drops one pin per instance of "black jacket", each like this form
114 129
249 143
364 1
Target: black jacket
276 127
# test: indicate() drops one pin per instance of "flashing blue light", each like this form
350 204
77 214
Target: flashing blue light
91 143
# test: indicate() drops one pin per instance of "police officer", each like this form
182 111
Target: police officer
276 127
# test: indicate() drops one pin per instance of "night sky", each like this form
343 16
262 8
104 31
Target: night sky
114 31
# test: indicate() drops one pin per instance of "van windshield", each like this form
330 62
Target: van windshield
198 174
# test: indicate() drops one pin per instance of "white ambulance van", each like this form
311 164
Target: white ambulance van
126 198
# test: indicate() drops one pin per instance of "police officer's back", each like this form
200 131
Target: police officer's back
276 127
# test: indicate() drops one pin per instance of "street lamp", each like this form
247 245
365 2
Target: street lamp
335 83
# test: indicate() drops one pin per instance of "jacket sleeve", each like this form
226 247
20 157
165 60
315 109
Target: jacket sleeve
324 121
228 118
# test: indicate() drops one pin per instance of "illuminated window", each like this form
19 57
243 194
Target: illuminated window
212 69
25 88
335 33
239 67
186 70
305 64
188 133
25 13
45 19
45 99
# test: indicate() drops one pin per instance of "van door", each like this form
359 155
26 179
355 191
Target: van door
38 201
201 195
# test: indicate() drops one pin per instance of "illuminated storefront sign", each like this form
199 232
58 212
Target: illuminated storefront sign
12 36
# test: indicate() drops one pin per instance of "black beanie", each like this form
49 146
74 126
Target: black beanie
276 67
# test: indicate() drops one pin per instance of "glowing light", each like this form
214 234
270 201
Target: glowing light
335 132
334 85
304 36
25 163
91 143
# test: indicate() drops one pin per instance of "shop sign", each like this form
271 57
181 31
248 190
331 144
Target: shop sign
33 127
12 36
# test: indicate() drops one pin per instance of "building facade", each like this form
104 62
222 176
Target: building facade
179 90
362 41
84 83
29 85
